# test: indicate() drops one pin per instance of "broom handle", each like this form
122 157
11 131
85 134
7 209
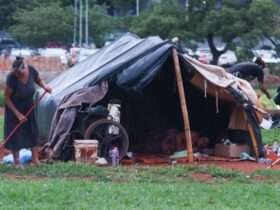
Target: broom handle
26 115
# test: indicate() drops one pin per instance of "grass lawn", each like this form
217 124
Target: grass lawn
74 186
270 136
1 98
1 127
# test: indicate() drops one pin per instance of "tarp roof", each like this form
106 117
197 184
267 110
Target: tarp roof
133 63
131 60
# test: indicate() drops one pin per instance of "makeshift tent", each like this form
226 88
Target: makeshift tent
155 84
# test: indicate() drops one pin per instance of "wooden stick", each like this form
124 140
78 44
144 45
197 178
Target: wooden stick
184 107
274 163
253 137
35 103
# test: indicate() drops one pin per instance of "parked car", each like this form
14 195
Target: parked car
23 52
228 58
55 52
8 44
189 51
268 56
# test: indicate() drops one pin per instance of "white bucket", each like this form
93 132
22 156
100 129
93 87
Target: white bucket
86 151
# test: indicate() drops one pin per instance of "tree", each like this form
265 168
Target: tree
47 22
51 20
271 13
231 20
100 24
166 20
7 10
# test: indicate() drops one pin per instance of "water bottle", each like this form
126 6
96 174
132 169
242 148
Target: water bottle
115 156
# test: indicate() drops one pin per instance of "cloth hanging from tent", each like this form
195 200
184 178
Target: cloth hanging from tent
205 88
217 101
65 115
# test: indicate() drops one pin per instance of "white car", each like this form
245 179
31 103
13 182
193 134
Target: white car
189 51
25 52
268 56
55 52
228 58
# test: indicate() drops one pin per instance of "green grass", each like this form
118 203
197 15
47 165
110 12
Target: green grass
76 186
270 136
141 174
66 194
1 98
1 127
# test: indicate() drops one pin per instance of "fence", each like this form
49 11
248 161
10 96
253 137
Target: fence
39 62
48 67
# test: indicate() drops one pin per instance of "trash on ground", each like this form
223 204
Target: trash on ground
246 156
179 154
25 157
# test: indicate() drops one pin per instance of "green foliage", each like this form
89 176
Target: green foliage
248 22
270 136
1 98
44 23
7 10
100 24
1 127
53 21
166 20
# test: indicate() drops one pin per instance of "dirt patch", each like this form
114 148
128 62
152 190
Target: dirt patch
242 166
247 167
39 178
2 111
18 177
203 177
260 178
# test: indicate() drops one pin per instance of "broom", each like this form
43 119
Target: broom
20 123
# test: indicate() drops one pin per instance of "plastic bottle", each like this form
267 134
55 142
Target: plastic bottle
115 156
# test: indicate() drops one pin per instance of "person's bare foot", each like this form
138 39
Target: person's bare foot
50 153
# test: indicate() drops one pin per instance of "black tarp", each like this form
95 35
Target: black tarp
130 61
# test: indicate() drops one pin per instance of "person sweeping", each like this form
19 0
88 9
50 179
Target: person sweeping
19 97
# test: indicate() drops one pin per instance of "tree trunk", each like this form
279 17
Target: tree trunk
215 52
276 44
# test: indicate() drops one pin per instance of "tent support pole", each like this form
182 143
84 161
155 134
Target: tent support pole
253 136
183 103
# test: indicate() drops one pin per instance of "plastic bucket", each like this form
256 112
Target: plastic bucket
86 151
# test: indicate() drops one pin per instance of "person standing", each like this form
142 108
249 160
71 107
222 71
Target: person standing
250 71
19 97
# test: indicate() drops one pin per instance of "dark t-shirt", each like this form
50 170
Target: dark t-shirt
247 71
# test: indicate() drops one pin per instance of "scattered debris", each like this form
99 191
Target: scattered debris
246 156
101 162
25 157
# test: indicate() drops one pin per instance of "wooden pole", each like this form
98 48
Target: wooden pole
253 137
183 103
